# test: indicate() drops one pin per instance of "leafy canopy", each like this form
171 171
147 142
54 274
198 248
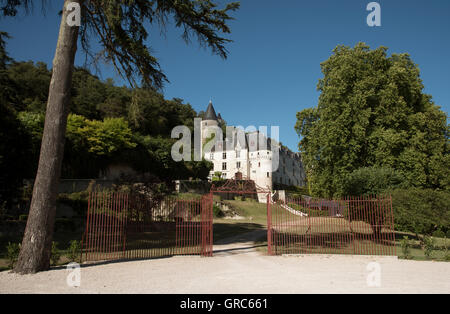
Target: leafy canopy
372 111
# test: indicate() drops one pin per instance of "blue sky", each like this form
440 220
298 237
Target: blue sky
274 61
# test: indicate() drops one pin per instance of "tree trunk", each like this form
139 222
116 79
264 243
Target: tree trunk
37 241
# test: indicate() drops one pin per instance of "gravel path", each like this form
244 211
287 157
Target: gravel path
238 268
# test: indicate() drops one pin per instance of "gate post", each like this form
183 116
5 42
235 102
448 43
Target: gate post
206 224
269 225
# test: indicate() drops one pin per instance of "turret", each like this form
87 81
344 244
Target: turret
209 120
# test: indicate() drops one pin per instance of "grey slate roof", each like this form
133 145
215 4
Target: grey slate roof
210 113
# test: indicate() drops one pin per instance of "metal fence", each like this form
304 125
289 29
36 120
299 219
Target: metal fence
123 226
360 225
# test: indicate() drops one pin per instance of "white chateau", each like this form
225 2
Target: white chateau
249 156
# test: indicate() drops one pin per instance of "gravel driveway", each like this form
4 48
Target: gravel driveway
237 267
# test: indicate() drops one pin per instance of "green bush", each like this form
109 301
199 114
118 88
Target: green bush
23 217
12 253
421 211
56 254
406 247
439 234
218 213
371 181
447 254
74 253
77 201
428 246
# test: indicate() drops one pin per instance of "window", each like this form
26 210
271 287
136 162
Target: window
268 174
212 156
224 156
224 166
224 175
238 164
238 154
259 164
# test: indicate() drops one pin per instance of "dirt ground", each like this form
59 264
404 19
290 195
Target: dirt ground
238 267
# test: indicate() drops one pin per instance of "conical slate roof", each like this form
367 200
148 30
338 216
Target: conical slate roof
210 112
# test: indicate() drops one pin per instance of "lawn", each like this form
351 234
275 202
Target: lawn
255 217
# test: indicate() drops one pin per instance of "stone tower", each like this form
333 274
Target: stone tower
209 120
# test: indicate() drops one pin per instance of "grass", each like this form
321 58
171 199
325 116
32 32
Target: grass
255 218
253 212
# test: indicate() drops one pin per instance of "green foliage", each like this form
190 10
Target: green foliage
406 247
421 211
439 234
372 112
217 176
447 253
428 246
292 190
74 252
56 254
77 201
102 138
12 253
30 82
15 151
217 212
371 181
120 125
98 134
23 217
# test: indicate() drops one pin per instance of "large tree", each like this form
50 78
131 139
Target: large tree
121 26
372 112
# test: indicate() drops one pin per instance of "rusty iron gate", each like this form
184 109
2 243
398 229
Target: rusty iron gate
354 225
123 226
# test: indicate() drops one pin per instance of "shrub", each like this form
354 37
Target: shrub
12 253
406 248
217 212
439 234
421 211
428 246
56 254
74 251
371 181
23 217
446 255
78 201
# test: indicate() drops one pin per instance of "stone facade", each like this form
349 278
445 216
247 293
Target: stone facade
249 155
